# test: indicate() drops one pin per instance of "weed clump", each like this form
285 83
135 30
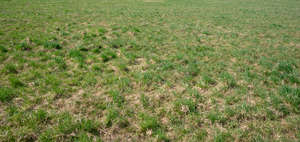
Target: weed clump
285 71
208 80
221 137
6 94
82 48
97 49
185 106
123 67
76 54
145 101
286 67
213 117
148 78
89 126
204 48
40 116
102 31
118 99
291 95
108 54
193 69
16 82
229 80
117 43
52 45
148 123
25 46
11 68
3 49
66 123
111 116
62 65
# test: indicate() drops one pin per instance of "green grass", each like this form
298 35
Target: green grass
149 70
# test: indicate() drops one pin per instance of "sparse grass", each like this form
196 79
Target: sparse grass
149 70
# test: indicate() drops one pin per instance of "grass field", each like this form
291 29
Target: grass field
149 70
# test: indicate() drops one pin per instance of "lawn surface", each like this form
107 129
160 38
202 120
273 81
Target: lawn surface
149 70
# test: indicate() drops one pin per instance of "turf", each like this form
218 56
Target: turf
149 70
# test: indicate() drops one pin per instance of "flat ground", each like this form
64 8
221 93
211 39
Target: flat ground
150 70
